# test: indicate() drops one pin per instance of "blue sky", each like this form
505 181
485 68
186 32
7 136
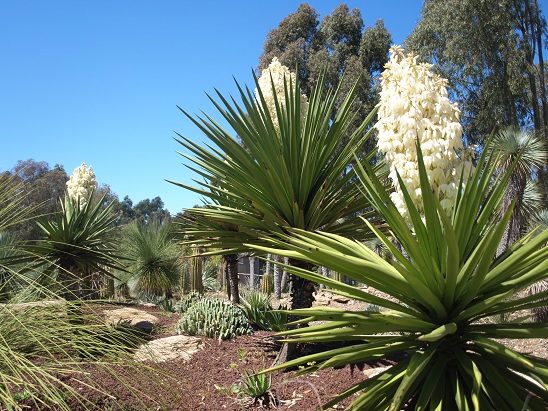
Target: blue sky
99 81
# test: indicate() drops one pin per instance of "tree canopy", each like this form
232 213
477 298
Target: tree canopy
487 49
338 45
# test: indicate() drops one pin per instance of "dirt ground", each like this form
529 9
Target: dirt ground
208 380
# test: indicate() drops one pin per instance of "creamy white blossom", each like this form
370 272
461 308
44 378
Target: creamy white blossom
81 183
414 105
271 82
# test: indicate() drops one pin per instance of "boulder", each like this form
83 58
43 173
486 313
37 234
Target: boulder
169 348
139 319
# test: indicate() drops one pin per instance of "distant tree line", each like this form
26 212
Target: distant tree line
43 186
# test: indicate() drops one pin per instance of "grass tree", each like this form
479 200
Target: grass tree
154 263
281 166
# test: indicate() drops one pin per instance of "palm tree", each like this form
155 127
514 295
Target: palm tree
510 144
294 174
154 263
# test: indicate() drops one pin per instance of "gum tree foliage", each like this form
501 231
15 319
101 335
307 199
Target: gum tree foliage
39 186
487 49
302 42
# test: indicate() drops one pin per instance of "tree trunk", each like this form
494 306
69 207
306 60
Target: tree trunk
231 267
302 296
544 103
252 273
284 275
277 279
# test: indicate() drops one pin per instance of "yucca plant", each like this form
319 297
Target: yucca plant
442 287
44 356
78 242
277 168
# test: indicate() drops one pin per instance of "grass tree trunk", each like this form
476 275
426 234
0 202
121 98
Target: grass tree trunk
230 264
302 296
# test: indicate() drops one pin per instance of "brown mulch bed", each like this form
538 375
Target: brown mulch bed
205 382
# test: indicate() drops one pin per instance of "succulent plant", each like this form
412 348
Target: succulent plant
213 317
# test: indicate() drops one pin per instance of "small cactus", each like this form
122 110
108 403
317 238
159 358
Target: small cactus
196 283
213 317
267 285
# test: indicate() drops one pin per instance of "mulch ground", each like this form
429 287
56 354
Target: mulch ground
207 380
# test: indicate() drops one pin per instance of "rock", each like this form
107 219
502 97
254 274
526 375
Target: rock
147 305
138 319
371 372
169 348
340 299
322 298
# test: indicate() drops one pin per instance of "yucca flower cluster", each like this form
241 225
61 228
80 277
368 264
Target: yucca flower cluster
81 183
271 82
414 105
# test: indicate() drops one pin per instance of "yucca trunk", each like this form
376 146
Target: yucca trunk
230 264
301 293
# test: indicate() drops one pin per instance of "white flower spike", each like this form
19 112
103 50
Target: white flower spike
81 183
414 105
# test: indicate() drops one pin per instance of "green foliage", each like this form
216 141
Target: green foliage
464 39
153 266
187 301
339 42
256 385
214 317
442 288
40 186
258 310
167 305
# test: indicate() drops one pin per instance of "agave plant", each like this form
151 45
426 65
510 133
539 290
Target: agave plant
442 288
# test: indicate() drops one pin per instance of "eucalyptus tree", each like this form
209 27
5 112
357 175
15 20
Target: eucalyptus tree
487 49
354 56
291 171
